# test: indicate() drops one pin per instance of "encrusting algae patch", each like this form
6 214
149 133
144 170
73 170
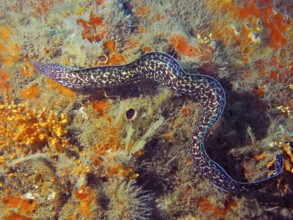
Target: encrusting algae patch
68 154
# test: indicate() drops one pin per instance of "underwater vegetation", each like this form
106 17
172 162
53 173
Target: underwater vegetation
123 153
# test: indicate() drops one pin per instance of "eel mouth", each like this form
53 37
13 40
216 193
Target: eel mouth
40 67
49 69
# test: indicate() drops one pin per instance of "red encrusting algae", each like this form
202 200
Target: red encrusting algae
30 92
185 48
18 208
93 29
218 211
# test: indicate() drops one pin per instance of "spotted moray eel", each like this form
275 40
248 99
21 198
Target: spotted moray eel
166 71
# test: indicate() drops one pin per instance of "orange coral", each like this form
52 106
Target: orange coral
219 212
288 157
9 51
147 49
43 6
18 207
260 91
143 10
63 90
181 45
110 45
93 28
87 198
23 129
100 2
24 206
4 80
187 110
249 12
115 59
30 92
11 215
5 33
101 107
184 47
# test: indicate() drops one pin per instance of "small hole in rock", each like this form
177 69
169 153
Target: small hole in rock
130 114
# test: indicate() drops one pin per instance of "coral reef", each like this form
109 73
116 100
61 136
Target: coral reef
123 153
30 130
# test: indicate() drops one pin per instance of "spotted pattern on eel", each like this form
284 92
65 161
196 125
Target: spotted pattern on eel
166 71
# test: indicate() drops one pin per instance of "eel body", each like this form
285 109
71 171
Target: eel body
166 71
